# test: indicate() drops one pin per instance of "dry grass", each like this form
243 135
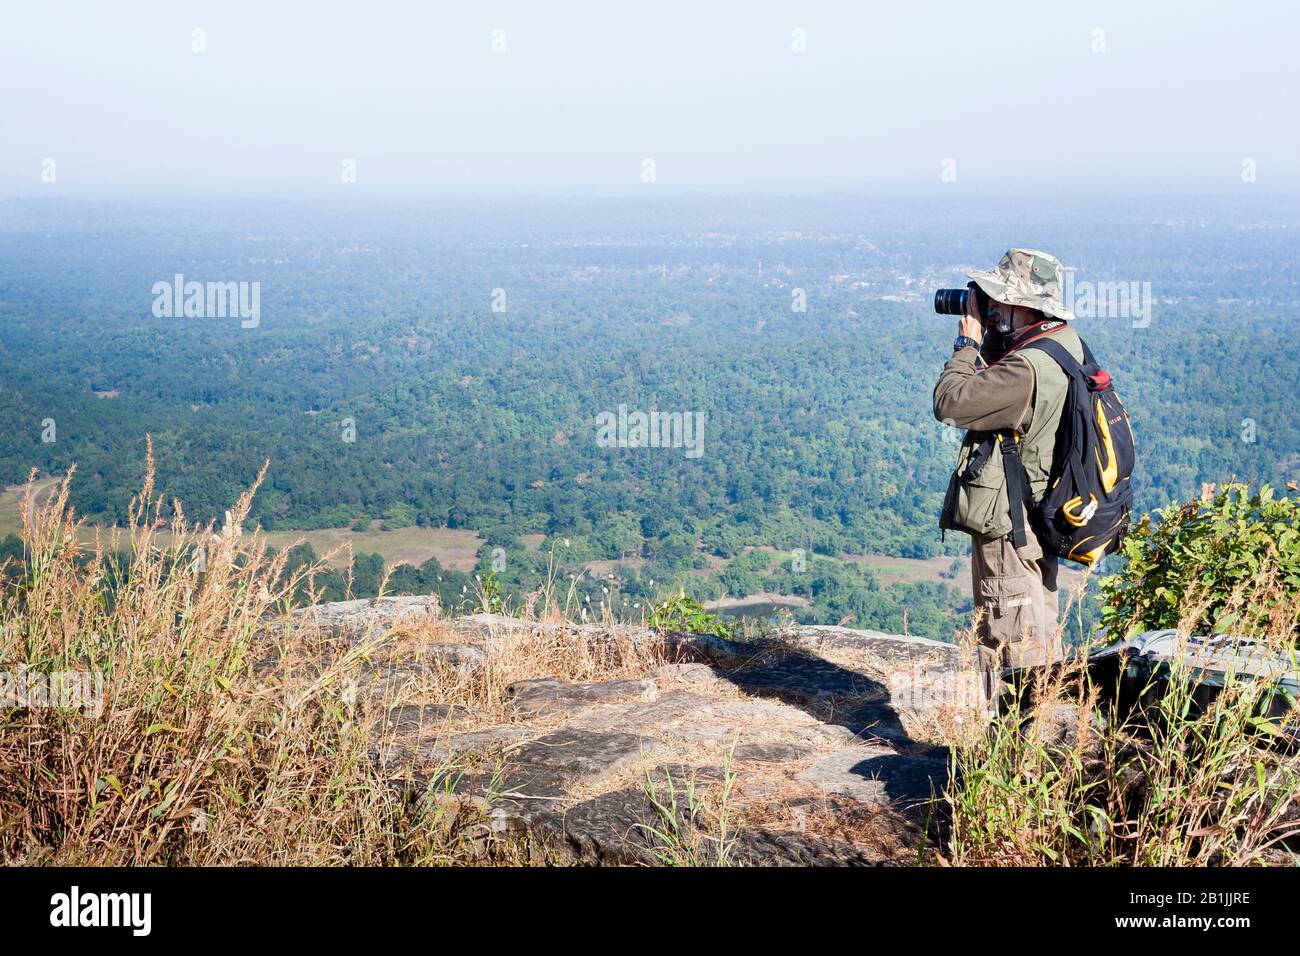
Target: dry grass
228 734
225 731
218 739
1074 782
478 698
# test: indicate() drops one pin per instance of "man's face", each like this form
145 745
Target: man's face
1006 318
1001 315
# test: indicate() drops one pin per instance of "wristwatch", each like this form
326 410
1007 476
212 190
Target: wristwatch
963 341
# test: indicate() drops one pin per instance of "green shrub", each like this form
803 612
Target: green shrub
1207 554
684 615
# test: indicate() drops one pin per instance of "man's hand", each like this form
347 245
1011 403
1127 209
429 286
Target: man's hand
971 324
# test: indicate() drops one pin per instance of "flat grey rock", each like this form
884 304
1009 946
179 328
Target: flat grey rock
548 695
685 673
771 752
889 649
806 679
668 709
551 767
760 846
875 774
635 824
585 754
615 828
818 723
370 617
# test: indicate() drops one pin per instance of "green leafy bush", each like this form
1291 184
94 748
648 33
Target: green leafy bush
1209 553
684 615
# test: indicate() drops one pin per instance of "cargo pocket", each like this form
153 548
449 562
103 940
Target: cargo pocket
982 504
1008 608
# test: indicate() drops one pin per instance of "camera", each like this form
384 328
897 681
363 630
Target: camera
954 301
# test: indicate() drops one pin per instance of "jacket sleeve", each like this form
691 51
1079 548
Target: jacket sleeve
985 398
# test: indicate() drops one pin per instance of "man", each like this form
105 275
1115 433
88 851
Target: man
997 390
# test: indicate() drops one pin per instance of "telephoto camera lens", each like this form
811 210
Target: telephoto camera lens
951 301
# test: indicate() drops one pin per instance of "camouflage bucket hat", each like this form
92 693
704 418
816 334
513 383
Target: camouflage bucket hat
1027 277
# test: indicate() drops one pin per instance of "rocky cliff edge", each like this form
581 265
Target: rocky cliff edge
617 744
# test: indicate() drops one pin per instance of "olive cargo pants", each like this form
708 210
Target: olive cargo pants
1017 593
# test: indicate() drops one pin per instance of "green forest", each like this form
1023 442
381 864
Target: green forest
444 366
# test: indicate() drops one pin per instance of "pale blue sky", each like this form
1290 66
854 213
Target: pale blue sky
1013 92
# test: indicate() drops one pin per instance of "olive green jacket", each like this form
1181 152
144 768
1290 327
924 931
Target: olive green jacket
1025 393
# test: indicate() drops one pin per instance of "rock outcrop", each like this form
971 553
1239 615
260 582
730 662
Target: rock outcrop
819 745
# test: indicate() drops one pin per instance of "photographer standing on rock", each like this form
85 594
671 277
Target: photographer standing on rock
1011 400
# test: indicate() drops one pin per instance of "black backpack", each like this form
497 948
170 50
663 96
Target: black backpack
1085 512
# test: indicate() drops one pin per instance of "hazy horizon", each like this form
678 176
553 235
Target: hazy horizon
772 99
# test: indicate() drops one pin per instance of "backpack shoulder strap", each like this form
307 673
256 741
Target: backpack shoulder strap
1061 355
1019 497
1087 352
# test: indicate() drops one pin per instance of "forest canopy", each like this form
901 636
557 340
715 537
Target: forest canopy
448 366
